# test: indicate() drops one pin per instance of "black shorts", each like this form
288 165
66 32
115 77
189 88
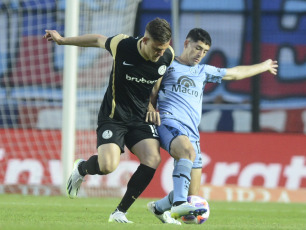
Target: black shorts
123 133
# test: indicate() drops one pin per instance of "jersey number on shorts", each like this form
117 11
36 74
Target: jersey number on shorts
154 130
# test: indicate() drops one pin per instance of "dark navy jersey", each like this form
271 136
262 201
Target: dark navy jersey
131 80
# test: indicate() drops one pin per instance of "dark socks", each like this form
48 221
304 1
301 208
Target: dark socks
177 203
157 212
137 184
91 166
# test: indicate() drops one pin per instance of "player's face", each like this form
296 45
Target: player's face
196 51
154 50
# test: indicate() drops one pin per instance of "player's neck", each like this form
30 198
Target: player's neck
141 49
181 60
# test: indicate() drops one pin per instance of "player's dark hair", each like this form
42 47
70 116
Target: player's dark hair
198 34
160 30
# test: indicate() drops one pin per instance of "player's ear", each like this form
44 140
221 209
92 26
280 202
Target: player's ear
186 43
145 40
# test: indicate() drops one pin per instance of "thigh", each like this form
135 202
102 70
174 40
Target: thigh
147 151
168 131
195 182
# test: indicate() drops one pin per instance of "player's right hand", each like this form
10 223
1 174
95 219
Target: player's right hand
53 35
153 117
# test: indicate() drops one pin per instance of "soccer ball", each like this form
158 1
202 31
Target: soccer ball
200 219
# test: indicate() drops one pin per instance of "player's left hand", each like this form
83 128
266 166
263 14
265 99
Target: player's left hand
271 66
153 117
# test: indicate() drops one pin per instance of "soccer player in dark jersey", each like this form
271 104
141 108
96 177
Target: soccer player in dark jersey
138 64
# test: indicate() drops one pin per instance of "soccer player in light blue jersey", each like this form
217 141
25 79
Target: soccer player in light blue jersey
180 108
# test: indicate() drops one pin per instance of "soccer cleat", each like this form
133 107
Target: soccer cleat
75 180
186 209
119 217
165 217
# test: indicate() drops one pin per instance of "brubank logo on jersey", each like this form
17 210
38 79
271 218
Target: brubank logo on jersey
185 85
140 80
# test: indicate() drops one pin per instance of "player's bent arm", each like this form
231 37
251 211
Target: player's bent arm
154 93
153 115
241 72
87 40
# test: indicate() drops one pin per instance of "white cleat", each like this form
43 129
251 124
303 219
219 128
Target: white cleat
186 209
165 217
119 217
75 180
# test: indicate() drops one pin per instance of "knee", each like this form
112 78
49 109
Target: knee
106 170
156 159
107 167
191 154
186 153
152 160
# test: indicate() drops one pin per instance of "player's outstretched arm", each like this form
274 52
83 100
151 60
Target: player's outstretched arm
87 40
241 72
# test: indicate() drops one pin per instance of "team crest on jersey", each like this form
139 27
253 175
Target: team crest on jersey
193 70
107 134
162 69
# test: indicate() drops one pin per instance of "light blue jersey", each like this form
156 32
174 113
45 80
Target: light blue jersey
180 100
181 92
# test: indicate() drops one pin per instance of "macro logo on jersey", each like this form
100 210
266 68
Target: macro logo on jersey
185 81
185 85
140 80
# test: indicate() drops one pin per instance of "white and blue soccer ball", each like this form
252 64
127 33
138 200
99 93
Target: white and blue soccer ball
198 202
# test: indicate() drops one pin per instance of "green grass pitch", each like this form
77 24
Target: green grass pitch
57 213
